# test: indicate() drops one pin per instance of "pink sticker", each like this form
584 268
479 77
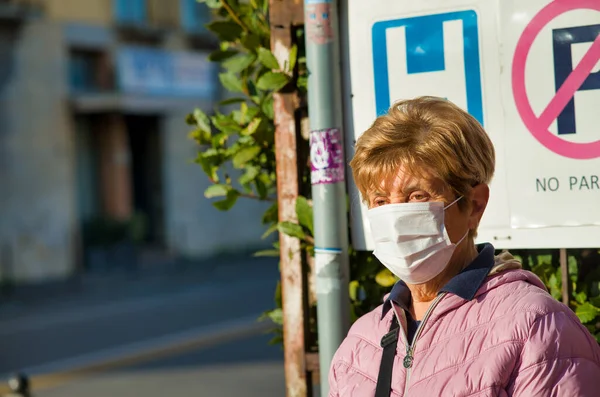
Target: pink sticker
539 126
326 156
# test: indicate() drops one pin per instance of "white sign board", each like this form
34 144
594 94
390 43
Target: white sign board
529 71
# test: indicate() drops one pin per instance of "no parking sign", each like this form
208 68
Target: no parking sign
566 87
529 71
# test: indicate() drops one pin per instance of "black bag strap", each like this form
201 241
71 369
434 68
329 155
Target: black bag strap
389 343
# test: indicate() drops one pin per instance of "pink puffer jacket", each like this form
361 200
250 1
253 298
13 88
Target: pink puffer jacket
511 339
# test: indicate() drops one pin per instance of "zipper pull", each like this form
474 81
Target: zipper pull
408 360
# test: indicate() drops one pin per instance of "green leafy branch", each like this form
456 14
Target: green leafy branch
238 137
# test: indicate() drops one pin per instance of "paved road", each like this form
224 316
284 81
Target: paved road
109 319
246 367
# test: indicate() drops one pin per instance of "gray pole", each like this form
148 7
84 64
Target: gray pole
327 177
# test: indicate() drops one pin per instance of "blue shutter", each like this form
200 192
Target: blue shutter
130 11
194 15
139 12
121 10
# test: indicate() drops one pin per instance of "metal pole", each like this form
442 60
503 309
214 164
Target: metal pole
327 178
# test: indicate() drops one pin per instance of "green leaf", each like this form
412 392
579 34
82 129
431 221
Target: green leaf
201 136
267 58
216 4
587 312
271 252
238 63
208 165
543 270
218 140
221 55
263 182
291 229
305 213
217 190
581 297
261 188
293 57
385 278
230 200
251 41
272 81
252 127
572 268
232 101
201 119
276 316
278 295
302 82
544 259
225 30
267 107
249 175
245 155
272 229
271 214
353 289
555 286
231 82
226 123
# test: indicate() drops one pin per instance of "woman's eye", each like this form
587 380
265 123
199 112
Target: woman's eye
378 203
419 196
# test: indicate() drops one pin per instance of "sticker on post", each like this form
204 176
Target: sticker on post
318 21
327 270
326 156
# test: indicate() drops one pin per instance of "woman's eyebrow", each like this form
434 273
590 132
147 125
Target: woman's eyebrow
379 193
411 187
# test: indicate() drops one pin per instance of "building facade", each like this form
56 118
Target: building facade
93 139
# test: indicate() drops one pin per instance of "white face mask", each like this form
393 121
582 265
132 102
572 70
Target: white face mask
411 239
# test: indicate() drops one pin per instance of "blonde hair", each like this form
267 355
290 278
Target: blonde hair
425 135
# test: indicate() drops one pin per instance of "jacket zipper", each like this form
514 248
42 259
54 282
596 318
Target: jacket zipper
410 348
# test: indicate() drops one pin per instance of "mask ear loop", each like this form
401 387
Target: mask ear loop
452 203
467 233
462 239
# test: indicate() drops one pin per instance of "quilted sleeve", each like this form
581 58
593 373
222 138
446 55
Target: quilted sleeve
559 358
333 386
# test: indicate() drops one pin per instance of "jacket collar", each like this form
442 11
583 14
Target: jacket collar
465 284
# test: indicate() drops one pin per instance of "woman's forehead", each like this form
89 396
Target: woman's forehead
405 179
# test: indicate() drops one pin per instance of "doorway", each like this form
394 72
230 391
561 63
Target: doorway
145 143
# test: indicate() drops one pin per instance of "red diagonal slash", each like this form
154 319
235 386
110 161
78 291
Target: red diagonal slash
571 85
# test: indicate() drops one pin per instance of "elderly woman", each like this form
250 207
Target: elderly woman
460 322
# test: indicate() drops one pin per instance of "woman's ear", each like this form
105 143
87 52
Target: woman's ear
479 197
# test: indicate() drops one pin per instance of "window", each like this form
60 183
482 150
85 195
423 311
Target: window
130 11
194 16
83 71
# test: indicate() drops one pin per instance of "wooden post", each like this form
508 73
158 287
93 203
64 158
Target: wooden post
284 15
566 280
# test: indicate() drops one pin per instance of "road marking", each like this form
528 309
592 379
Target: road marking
63 371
